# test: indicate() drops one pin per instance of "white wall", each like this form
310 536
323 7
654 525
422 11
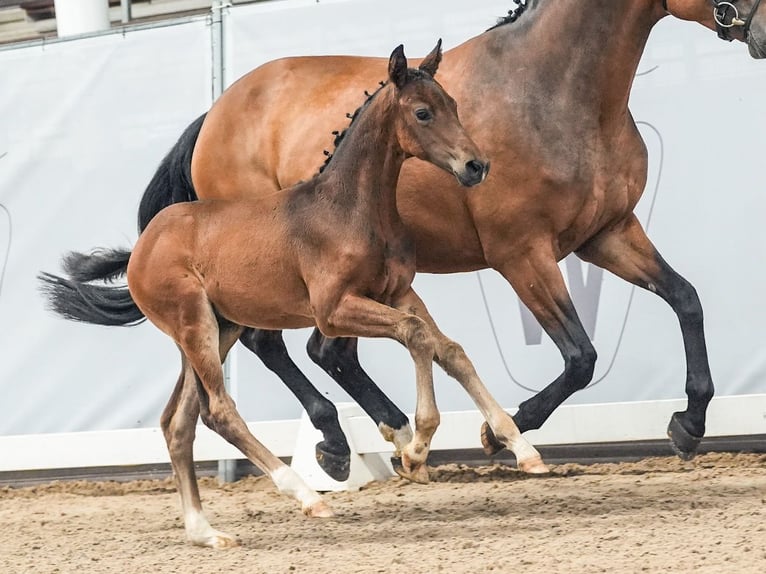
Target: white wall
83 125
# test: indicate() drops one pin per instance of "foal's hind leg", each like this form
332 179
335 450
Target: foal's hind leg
179 421
338 357
198 337
627 252
452 358
333 453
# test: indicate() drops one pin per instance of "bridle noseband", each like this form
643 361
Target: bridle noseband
726 17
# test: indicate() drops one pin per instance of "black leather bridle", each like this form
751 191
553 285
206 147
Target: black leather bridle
727 17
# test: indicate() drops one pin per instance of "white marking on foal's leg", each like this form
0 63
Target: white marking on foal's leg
199 532
527 457
289 482
400 437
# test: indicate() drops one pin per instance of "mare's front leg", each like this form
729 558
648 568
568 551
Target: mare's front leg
332 453
626 251
338 357
356 316
451 357
538 282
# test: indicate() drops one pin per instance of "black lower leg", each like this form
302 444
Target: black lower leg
338 357
579 363
687 428
333 452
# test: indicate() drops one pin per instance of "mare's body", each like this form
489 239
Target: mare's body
546 96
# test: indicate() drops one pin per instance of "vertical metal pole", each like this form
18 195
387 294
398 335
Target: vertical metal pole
227 469
127 10
216 36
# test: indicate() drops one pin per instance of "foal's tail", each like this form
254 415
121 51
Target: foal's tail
78 300
172 181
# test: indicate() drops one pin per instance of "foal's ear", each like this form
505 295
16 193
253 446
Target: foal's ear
431 62
397 66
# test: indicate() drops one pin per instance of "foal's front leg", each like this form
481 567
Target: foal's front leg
339 359
452 358
356 316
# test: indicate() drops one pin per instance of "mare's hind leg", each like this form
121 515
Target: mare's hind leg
451 357
333 453
338 357
626 251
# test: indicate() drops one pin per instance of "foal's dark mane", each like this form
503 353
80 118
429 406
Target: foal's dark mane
513 14
412 74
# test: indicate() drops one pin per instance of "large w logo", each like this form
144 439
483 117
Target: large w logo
585 293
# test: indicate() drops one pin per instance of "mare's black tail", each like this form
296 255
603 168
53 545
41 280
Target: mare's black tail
99 304
172 181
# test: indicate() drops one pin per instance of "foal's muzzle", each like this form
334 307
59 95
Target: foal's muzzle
473 173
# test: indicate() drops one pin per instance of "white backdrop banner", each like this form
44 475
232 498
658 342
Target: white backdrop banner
85 123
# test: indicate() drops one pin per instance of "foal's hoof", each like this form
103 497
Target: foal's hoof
533 466
319 509
226 542
215 539
419 474
489 441
684 443
337 466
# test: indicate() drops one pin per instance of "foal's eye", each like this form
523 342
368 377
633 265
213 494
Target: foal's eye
423 114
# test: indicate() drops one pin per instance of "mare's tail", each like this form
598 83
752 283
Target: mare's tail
78 300
172 181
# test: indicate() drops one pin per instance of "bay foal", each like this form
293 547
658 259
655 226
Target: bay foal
331 252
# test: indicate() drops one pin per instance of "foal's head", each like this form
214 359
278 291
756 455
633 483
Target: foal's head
427 125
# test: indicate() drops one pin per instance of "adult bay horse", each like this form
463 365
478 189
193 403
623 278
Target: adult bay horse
331 252
545 93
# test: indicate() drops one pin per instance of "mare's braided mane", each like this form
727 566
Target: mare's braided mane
513 14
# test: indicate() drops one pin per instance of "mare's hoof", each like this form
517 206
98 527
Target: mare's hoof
319 509
337 466
489 441
419 474
684 443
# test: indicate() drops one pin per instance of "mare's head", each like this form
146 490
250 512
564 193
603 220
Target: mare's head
743 20
427 124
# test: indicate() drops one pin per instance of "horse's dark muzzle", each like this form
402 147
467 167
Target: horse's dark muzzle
474 173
